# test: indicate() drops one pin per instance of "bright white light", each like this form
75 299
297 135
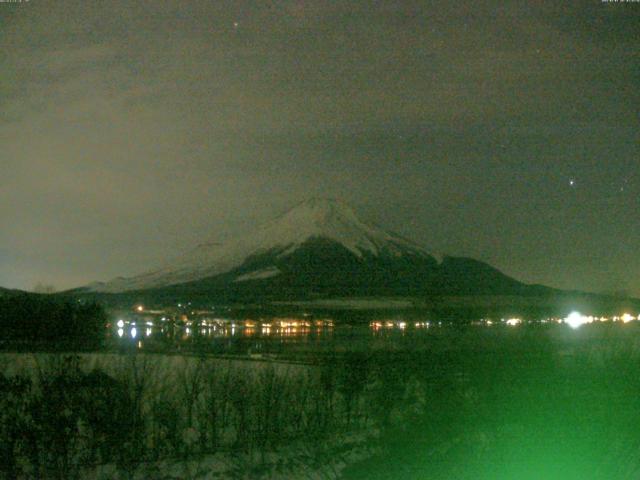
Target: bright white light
120 323
626 318
148 332
120 332
134 332
575 320
140 308
512 322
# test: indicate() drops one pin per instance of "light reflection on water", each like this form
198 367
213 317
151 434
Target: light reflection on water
282 335
222 336
257 335
230 329
271 328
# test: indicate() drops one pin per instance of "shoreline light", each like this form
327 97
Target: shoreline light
626 318
576 320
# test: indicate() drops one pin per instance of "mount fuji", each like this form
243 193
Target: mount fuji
319 248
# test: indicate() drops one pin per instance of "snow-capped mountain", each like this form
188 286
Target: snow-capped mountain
315 219
320 248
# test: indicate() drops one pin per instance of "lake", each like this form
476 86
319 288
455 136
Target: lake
303 336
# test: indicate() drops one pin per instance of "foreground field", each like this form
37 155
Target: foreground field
476 403
553 405
164 416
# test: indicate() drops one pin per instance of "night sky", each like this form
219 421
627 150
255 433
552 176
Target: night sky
506 131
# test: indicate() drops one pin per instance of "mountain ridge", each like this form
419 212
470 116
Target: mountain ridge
321 250
315 218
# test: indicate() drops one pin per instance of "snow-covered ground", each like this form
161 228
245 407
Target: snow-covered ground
161 366
185 387
298 461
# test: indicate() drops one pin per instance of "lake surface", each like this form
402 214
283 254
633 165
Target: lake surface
291 336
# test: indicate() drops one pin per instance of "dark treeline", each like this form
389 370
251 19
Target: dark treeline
63 420
41 319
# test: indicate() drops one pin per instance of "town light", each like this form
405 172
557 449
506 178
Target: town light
626 318
575 320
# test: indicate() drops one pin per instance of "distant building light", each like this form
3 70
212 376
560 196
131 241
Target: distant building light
576 320
626 318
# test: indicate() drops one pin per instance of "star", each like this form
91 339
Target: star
572 183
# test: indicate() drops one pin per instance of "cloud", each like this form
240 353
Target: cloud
132 130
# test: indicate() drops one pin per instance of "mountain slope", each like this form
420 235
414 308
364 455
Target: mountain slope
329 220
320 248
322 268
